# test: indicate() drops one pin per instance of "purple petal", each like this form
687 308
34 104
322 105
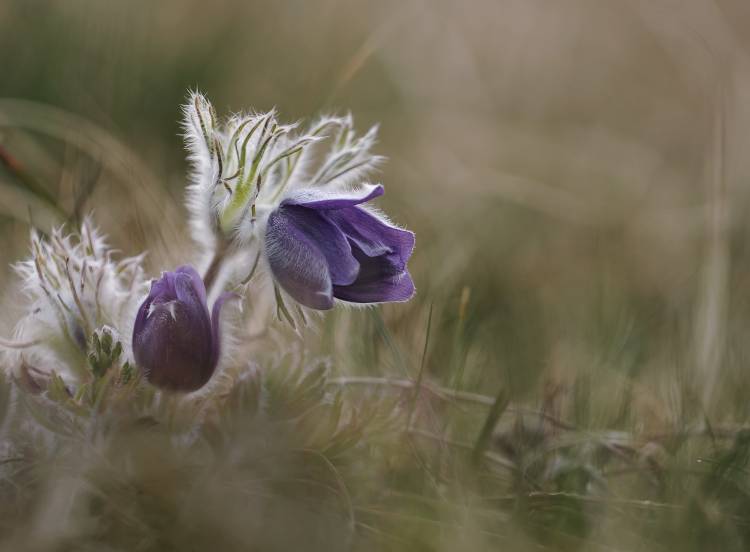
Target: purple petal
390 289
172 340
193 302
379 281
195 278
326 236
308 254
315 198
297 264
140 318
173 352
373 235
162 290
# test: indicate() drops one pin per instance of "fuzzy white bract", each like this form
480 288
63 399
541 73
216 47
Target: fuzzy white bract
244 167
74 286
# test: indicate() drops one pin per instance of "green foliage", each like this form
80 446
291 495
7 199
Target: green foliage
104 351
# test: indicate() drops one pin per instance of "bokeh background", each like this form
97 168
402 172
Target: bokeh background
578 167
576 173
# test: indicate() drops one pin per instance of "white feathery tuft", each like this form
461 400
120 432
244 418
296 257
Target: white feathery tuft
349 160
74 286
201 139
243 167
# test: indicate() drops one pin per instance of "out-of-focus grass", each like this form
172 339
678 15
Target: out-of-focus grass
576 177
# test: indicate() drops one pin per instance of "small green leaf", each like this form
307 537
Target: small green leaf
117 351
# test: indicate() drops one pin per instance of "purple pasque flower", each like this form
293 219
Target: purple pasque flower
175 340
323 244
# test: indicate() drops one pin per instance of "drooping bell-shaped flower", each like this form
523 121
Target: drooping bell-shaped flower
175 340
324 245
295 199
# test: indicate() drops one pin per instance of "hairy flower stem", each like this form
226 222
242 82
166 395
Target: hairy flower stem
214 268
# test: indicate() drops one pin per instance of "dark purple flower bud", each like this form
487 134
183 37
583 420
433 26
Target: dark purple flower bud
324 246
175 341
